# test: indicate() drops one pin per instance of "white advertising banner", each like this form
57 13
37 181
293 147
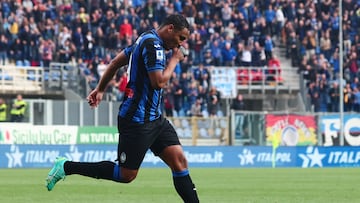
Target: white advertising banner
22 133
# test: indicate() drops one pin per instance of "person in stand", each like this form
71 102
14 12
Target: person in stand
141 124
18 109
3 110
238 103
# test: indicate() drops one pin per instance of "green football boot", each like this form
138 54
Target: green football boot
57 173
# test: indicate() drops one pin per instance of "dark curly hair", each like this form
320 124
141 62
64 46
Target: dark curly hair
178 20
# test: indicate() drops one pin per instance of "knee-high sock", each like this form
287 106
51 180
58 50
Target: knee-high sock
185 187
101 170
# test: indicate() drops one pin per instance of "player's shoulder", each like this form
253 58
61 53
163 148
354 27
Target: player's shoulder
151 38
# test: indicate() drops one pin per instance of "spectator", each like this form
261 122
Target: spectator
216 53
63 36
125 29
309 43
18 109
99 44
16 52
239 53
198 47
238 103
89 49
270 17
196 108
66 51
294 50
353 65
78 41
230 31
85 71
324 70
246 57
199 73
168 101
334 97
325 44
269 47
258 57
192 94
185 82
83 16
178 98
355 83
324 97
3 49
214 102
121 84
348 98
228 54
280 21
3 110
313 94
25 37
273 69
189 11
335 63
46 49
208 59
226 12
203 96
356 95
111 39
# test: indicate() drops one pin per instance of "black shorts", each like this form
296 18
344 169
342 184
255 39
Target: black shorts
135 139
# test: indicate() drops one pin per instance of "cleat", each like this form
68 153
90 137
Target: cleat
57 173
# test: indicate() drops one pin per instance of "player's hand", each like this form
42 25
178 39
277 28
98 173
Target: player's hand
178 52
94 98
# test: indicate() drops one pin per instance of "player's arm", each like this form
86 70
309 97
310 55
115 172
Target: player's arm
159 79
96 95
119 61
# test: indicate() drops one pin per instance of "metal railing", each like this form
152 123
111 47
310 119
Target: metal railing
264 80
21 79
60 76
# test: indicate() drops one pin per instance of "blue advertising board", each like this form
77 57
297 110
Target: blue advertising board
40 156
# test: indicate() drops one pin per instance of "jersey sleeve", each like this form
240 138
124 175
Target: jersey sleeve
153 55
128 51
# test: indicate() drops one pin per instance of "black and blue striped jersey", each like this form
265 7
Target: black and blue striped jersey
141 101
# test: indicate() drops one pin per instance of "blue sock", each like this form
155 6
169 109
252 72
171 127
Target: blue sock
180 173
185 187
117 174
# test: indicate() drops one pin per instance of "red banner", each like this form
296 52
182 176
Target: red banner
290 130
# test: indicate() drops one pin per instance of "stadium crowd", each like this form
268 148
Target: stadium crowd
239 33
311 34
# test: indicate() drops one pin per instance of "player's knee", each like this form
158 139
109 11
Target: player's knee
128 177
180 164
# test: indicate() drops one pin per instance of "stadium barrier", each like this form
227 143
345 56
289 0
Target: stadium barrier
239 128
21 79
39 156
36 80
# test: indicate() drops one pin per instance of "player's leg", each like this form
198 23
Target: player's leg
167 147
106 170
134 141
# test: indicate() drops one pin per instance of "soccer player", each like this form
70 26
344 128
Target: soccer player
140 123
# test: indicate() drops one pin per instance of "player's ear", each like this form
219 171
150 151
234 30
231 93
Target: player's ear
171 28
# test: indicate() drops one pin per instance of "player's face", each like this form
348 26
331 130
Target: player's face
176 37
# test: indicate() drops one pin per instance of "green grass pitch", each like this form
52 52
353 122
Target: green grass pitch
217 185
